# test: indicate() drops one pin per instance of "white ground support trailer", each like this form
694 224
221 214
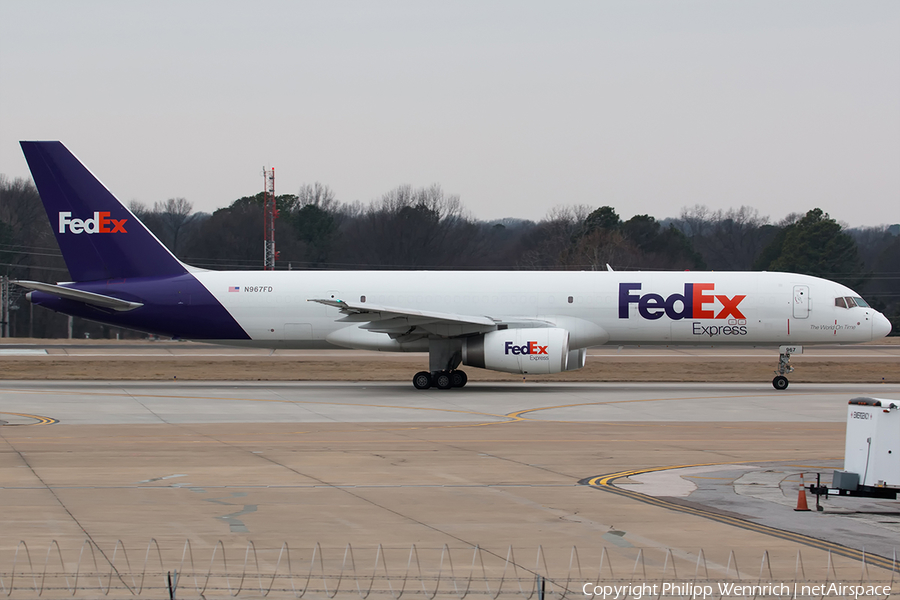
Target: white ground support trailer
871 452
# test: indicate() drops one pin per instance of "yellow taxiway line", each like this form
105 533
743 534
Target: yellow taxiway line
607 484
38 418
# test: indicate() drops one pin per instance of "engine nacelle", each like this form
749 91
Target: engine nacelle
577 359
536 351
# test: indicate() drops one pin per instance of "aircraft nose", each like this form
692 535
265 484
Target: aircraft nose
881 326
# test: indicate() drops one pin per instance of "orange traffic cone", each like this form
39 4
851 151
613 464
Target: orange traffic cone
801 497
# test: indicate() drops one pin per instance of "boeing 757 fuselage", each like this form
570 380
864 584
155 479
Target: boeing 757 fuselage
534 322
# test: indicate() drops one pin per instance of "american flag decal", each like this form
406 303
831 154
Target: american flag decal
234 288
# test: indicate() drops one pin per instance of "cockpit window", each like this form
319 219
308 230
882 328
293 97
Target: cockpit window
861 302
850 302
840 303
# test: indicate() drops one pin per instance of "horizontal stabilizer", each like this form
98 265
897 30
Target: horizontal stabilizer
98 300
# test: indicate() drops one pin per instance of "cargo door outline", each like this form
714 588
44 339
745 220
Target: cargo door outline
298 331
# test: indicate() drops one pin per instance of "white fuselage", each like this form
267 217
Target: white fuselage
728 308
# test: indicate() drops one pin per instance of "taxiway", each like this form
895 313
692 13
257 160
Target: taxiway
492 465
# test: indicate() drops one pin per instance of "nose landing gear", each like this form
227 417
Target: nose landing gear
780 382
784 366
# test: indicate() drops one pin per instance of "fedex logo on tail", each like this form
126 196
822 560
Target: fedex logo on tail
100 223
699 301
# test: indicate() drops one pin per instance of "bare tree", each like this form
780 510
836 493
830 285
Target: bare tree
314 219
410 227
548 245
28 250
319 195
727 240
603 247
175 216
871 242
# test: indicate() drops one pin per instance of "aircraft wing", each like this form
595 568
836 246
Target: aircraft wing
397 321
79 295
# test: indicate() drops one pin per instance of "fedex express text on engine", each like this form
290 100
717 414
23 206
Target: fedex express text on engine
532 349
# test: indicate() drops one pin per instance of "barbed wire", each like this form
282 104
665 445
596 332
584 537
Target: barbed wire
481 573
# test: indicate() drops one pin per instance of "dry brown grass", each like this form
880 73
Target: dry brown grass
354 368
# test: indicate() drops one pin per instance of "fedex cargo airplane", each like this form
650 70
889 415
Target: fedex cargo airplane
532 322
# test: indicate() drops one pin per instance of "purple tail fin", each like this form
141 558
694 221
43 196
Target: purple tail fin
99 237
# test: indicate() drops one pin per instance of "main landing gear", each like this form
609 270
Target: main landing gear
442 380
444 355
784 366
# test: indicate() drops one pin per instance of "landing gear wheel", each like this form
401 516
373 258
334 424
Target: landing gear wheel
422 380
458 379
784 366
442 380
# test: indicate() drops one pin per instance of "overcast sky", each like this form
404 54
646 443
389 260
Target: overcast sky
647 106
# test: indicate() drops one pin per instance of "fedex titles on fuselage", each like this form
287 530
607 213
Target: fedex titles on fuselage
100 223
699 301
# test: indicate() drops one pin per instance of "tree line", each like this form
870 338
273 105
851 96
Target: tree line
426 228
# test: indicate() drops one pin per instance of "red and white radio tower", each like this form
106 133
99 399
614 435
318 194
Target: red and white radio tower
270 213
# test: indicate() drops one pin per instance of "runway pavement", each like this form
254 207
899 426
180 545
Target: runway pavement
137 403
494 464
